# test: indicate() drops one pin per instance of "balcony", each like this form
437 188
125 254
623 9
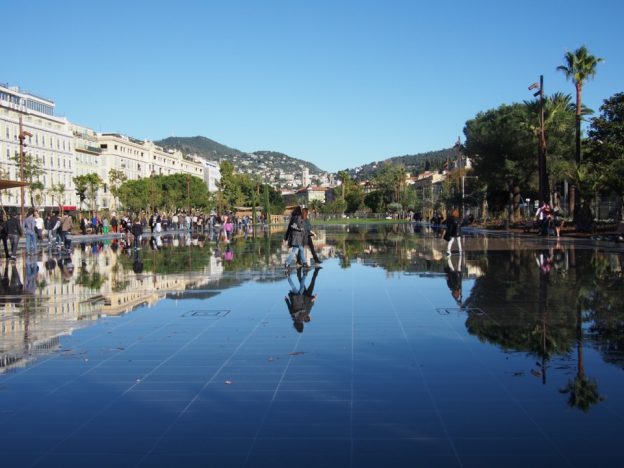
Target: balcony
86 148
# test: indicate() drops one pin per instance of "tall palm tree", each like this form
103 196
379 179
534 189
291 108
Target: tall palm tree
344 177
579 67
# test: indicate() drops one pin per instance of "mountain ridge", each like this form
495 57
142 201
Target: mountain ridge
212 150
266 160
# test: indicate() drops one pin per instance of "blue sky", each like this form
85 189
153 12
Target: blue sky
338 83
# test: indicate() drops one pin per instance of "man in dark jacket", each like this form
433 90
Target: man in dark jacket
3 235
14 232
137 232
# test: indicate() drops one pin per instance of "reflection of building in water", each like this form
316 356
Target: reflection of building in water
32 322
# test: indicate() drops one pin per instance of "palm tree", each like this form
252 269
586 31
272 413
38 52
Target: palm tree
344 177
579 67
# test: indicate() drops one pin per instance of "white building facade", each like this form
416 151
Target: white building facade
48 142
138 159
212 175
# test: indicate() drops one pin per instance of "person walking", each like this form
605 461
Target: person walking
30 229
4 236
295 236
309 235
137 232
66 227
39 225
453 231
53 227
83 225
114 223
14 232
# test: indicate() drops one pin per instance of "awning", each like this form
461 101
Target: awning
8 184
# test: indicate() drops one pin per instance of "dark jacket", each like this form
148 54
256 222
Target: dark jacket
296 232
136 229
13 227
452 226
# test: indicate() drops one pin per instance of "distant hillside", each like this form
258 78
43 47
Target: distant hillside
202 146
213 151
285 162
414 163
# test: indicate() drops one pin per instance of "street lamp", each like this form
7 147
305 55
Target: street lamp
22 136
541 161
463 179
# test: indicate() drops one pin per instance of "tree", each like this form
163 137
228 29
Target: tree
36 193
374 201
4 174
579 67
390 181
504 153
87 186
558 124
169 192
344 179
57 192
606 143
116 178
31 170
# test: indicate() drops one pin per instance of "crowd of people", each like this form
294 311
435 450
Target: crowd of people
57 228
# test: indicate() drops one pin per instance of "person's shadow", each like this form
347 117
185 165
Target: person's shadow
300 298
454 279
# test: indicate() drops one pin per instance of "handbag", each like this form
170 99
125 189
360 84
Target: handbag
447 236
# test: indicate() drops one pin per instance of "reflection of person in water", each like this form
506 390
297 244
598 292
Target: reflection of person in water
454 279
544 261
228 255
15 284
11 287
32 269
137 263
67 267
300 299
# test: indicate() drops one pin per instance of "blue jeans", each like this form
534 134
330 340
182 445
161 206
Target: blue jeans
296 249
31 242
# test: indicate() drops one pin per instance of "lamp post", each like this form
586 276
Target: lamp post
22 136
463 180
541 161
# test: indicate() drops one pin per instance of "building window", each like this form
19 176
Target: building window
104 146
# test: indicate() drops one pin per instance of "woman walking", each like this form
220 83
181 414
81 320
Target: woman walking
453 231
309 235
295 236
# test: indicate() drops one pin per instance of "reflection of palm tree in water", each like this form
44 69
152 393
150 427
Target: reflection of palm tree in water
300 299
583 391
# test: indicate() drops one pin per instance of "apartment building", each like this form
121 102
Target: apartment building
48 144
138 159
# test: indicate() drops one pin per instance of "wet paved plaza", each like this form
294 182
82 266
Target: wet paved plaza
188 353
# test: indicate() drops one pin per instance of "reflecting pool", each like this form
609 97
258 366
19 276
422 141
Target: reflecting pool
192 353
